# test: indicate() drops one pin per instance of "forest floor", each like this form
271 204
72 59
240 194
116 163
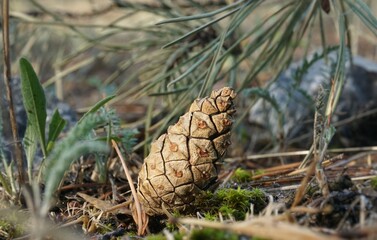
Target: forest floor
256 197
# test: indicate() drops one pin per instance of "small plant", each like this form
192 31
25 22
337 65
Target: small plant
237 202
57 155
241 175
231 202
373 183
9 229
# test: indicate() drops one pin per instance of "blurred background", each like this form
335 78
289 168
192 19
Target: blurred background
85 50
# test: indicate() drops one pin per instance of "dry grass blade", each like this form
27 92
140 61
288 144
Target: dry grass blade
299 153
304 183
97 203
140 223
262 227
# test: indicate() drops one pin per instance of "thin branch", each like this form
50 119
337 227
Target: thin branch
299 153
7 82
132 187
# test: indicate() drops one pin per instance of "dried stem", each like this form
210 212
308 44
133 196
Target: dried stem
132 187
7 79
304 183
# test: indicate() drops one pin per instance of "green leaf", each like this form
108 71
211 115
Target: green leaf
200 28
199 16
69 149
56 126
34 101
66 158
329 133
265 94
97 106
30 142
340 70
364 13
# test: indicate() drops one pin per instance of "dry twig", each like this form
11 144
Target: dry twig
7 80
140 223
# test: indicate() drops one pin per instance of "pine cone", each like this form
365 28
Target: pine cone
184 161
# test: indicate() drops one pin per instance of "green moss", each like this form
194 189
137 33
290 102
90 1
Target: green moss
231 202
259 172
209 216
161 236
373 183
171 226
236 202
9 230
241 175
212 234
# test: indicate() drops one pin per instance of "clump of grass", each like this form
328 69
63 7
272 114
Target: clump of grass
231 202
241 175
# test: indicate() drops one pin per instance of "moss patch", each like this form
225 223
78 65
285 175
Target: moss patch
231 202
160 236
212 234
241 175
9 230
373 183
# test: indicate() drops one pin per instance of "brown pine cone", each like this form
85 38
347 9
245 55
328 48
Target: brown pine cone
184 161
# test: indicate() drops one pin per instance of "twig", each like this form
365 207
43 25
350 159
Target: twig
301 190
132 187
362 178
363 211
299 153
7 79
349 210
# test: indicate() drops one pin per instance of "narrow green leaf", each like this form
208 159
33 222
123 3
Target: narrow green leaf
214 67
34 101
30 142
174 91
339 75
329 133
265 94
200 16
56 126
67 151
66 158
192 68
5 183
365 15
200 28
97 106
